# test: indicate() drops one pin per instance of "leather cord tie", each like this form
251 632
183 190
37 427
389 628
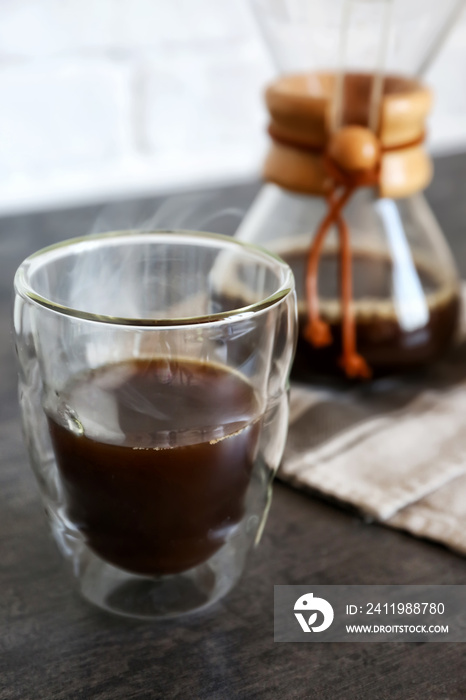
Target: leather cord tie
351 161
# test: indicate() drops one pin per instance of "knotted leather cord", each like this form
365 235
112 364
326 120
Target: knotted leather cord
317 332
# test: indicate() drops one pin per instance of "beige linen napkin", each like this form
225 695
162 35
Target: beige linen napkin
395 448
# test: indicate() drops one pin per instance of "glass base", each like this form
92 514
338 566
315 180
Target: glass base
149 597
145 597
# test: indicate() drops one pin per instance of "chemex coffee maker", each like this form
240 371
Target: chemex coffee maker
343 204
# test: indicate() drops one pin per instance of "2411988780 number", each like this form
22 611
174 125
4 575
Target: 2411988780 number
405 608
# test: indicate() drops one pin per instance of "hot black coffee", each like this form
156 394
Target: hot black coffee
156 460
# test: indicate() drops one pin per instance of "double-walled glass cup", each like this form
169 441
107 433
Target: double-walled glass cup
153 388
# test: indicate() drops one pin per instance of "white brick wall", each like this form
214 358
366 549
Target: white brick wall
198 100
39 28
112 98
447 76
62 116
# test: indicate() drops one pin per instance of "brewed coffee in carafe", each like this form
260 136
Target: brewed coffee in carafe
343 205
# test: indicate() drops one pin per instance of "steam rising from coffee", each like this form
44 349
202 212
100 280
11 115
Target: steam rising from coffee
97 279
196 212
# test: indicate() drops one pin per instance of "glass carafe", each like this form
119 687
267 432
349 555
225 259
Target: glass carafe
393 302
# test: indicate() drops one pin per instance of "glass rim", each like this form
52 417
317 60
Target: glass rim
24 289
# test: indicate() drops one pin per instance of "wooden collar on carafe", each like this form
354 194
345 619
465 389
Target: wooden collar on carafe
306 157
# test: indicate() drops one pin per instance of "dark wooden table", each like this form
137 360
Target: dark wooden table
54 645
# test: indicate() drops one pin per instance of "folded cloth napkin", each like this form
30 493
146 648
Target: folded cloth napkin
394 448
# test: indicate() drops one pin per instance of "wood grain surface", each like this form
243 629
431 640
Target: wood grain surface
54 645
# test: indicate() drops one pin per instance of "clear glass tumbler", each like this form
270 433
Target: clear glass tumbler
153 373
